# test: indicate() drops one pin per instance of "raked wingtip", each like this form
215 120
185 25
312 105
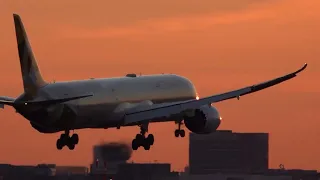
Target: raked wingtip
304 67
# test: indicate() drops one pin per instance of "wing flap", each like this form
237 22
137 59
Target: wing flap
178 107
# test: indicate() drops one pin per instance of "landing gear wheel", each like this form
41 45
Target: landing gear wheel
150 139
59 144
182 133
146 145
139 138
66 140
75 138
142 140
135 144
71 146
176 133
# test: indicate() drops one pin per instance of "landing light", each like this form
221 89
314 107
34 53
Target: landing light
197 98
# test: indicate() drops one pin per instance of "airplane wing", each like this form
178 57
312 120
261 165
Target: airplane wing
166 110
12 102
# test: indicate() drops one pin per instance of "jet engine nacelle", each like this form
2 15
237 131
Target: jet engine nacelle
204 120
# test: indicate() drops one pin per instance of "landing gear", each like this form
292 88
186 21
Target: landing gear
179 132
66 140
142 140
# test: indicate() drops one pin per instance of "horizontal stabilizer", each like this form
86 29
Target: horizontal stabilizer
4 100
51 101
12 102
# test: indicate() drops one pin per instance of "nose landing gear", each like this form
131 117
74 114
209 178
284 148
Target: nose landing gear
179 132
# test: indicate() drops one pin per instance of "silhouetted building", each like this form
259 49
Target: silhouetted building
8 171
271 174
295 174
71 170
225 151
141 171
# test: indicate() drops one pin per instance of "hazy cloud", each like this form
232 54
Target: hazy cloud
280 12
172 24
101 13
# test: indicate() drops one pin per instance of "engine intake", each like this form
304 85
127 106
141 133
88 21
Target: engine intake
204 120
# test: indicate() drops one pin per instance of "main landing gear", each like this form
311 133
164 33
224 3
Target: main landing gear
179 132
66 140
142 140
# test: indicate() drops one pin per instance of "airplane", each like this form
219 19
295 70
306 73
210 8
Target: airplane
115 102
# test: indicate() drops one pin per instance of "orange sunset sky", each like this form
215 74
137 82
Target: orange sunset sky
218 44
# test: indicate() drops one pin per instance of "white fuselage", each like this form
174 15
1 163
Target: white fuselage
112 97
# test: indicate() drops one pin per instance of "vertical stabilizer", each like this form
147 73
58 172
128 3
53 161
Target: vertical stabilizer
31 76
